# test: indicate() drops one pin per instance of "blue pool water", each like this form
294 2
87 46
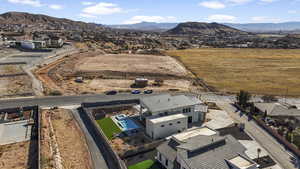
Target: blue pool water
125 123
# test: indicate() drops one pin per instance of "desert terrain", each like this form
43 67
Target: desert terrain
14 155
67 135
14 81
259 71
102 72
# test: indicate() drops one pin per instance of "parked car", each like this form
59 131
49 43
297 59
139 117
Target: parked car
113 92
135 92
148 91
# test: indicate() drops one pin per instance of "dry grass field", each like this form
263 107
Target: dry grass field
259 71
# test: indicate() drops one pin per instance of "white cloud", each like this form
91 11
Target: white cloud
138 19
34 3
292 11
87 3
83 15
102 8
267 1
239 1
261 19
55 7
212 4
221 18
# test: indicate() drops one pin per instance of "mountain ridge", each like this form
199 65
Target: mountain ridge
249 27
203 28
45 21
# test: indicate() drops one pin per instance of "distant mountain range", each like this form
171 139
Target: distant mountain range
202 28
249 27
147 26
267 27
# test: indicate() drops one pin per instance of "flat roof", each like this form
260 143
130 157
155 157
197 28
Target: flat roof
196 131
241 162
166 102
168 118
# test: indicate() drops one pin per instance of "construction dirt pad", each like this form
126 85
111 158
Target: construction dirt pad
104 72
69 138
14 155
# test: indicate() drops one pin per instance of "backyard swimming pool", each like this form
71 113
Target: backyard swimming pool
125 123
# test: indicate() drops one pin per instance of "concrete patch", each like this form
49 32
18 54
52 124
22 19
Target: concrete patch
219 119
14 132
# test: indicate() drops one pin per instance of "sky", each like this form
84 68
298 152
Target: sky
135 11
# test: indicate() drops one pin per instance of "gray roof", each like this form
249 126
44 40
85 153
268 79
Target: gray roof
206 152
277 109
166 102
168 149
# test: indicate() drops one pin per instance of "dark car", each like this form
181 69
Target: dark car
148 91
135 92
113 92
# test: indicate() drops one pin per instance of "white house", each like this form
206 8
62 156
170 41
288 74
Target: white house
203 148
27 45
165 115
165 126
165 104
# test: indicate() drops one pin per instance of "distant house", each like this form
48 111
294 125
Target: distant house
56 42
279 111
203 148
165 115
28 45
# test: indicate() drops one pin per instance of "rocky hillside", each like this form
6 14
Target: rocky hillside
201 28
44 22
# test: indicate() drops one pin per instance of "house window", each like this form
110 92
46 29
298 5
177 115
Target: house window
162 126
167 162
159 156
170 124
178 122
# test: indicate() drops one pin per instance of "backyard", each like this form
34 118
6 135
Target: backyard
259 71
147 164
108 127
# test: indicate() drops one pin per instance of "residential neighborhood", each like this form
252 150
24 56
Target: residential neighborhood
122 84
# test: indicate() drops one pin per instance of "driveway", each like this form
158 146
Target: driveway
277 151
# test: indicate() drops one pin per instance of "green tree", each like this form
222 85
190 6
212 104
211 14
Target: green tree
243 98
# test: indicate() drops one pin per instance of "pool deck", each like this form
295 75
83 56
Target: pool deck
125 124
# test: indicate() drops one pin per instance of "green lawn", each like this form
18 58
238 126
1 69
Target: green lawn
109 127
147 164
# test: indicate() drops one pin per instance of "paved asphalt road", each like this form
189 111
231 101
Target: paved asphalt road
52 101
276 150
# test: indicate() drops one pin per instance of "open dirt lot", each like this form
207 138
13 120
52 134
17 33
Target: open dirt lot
103 72
15 86
259 71
67 134
14 155
132 63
